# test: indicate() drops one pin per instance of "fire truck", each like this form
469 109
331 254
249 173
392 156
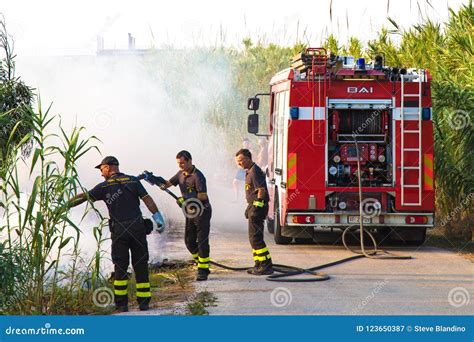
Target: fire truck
326 113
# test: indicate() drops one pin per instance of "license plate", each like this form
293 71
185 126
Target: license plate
356 219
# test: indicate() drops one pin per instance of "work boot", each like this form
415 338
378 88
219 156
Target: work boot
255 267
202 274
265 268
121 308
144 306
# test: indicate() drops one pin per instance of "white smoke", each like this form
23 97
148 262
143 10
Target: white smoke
144 110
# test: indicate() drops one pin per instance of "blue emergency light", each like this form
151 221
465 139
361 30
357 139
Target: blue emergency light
426 113
294 113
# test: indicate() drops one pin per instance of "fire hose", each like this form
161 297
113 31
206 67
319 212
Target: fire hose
285 273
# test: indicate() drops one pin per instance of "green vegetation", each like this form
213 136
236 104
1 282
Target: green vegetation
448 53
41 268
39 234
202 300
15 99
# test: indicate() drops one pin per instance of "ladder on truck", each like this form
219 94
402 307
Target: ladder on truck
318 74
416 168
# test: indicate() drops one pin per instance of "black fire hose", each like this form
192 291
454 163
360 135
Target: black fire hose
286 272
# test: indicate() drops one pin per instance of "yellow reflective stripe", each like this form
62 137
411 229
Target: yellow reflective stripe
291 182
143 294
121 292
203 265
143 285
195 255
428 174
291 160
428 183
263 250
429 161
204 259
120 282
263 258
255 258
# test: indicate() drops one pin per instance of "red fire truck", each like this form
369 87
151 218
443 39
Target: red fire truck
325 113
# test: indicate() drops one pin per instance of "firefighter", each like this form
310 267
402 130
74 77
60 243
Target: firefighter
257 198
121 194
197 209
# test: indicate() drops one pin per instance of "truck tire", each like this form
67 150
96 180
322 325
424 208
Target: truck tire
279 239
271 226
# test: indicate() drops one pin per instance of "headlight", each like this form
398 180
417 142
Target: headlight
333 171
342 205
381 158
336 159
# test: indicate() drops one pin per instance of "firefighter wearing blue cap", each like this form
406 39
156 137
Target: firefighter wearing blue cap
122 194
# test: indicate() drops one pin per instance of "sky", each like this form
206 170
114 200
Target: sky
51 27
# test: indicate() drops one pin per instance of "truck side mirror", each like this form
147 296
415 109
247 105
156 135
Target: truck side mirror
252 124
253 103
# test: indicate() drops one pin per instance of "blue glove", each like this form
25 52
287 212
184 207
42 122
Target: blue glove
160 222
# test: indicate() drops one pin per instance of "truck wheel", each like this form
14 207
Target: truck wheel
408 236
271 226
279 239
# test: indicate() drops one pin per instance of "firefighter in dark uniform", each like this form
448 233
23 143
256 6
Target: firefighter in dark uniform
197 209
257 198
121 194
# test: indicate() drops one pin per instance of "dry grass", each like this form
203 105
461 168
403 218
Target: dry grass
169 286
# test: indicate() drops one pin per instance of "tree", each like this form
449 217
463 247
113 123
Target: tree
16 99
